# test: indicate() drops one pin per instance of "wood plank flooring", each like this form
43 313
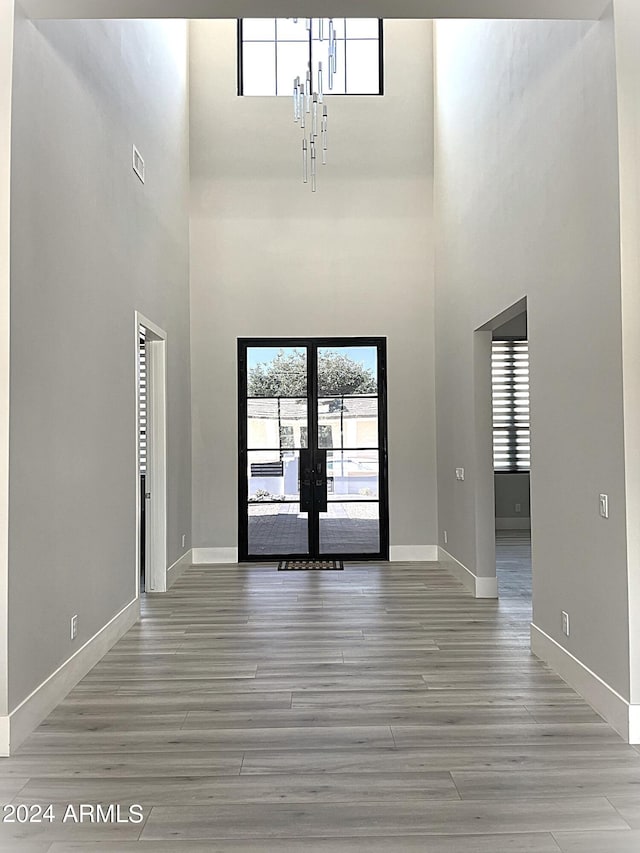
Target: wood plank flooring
379 709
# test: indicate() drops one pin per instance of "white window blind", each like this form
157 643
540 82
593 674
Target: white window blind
510 391
142 400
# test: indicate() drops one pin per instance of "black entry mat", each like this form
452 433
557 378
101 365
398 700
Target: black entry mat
310 566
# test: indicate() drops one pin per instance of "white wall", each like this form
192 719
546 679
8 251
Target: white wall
627 29
268 258
527 205
90 244
511 489
6 76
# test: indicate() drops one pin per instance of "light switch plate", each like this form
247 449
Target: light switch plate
604 506
459 473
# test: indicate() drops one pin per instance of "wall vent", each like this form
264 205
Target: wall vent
138 164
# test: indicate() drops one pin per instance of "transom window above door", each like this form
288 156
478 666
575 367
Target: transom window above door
272 52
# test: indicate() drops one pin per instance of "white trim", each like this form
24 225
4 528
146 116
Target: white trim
39 704
207 556
484 506
156 576
178 568
413 554
522 523
4 735
397 554
616 710
7 26
457 569
486 587
634 724
150 326
480 587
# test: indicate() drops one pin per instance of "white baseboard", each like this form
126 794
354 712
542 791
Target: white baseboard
397 554
462 573
513 523
4 735
15 727
214 555
179 568
486 587
413 553
634 724
620 714
480 587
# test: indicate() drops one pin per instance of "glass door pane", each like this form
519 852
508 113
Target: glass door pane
276 523
348 429
277 429
350 527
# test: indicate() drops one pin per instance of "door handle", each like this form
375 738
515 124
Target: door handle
320 485
306 483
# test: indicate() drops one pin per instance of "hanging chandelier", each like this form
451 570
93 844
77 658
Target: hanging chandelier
309 110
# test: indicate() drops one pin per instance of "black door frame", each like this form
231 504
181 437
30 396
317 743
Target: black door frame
312 344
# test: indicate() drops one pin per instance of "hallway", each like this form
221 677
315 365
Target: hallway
380 702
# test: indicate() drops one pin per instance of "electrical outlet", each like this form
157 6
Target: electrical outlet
74 626
518 507
184 539
604 506
565 623
459 473
446 538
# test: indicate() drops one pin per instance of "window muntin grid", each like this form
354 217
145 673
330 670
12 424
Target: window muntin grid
273 51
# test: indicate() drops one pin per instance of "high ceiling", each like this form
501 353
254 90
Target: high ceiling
509 9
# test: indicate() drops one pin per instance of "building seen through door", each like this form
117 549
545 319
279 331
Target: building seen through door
312 441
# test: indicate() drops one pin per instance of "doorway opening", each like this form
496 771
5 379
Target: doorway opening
143 442
312 475
151 456
511 429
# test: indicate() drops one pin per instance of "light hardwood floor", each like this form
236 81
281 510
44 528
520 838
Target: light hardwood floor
377 709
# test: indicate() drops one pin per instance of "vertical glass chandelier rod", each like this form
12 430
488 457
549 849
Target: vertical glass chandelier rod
313 166
331 49
324 136
305 162
296 99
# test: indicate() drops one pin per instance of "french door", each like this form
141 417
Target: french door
312 448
